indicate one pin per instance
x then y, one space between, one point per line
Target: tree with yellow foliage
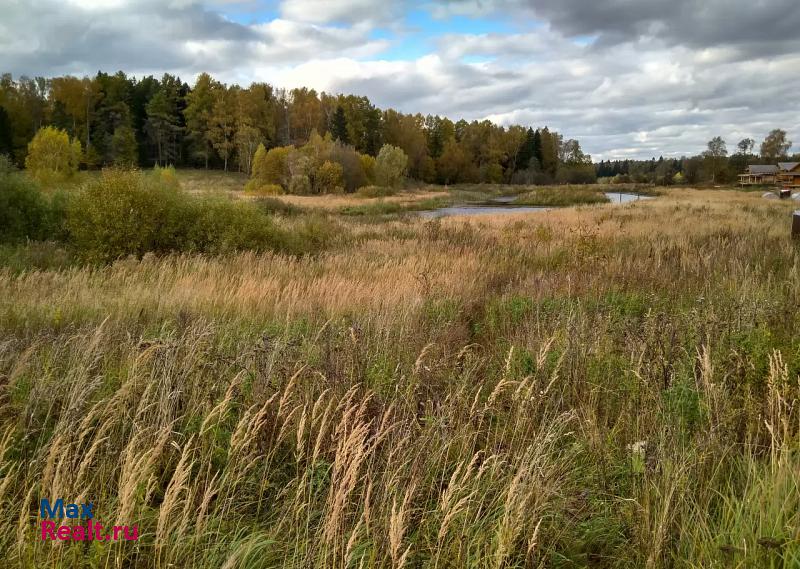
51 155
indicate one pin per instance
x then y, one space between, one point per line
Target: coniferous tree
527 150
338 126
6 134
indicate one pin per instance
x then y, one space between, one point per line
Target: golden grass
463 392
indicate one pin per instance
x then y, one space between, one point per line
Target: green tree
222 123
199 105
124 147
162 127
453 162
390 166
329 178
51 155
526 150
775 146
6 134
715 156
746 145
271 168
339 126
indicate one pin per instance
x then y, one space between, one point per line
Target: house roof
788 166
762 169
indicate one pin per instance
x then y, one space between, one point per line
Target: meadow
598 386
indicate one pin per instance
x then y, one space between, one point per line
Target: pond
506 205
617 197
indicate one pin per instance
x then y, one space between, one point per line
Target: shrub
276 206
390 166
167 176
124 213
24 213
127 213
220 225
51 155
257 188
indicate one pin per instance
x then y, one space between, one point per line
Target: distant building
789 175
759 175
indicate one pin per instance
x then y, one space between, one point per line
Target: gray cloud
626 77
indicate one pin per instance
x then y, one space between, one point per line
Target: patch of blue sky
583 41
422 21
420 31
251 13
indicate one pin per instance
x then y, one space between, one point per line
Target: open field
603 386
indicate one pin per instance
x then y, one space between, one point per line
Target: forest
124 121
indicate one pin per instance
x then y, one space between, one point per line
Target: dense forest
122 120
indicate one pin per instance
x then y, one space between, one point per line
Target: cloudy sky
629 78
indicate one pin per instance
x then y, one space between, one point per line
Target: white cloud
641 89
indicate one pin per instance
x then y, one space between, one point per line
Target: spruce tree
339 126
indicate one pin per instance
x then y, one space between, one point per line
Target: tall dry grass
600 387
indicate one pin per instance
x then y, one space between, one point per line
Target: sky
628 78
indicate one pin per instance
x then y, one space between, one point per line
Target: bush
257 188
124 213
51 155
167 176
221 225
127 213
24 212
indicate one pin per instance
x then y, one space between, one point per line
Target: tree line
121 120
715 165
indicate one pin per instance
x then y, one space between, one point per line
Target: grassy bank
561 197
598 387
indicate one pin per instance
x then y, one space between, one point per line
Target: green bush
24 212
124 213
127 213
220 225
167 176
259 188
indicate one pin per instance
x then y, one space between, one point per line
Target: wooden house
759 175
788 175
